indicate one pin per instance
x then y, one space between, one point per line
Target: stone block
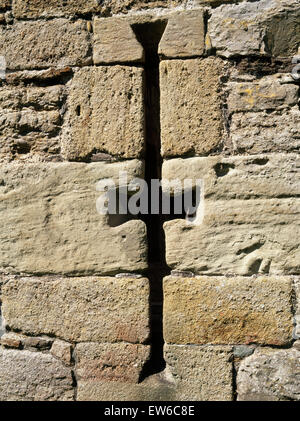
120 362
115 42
79 309
264 132
265 94
270 375
184 35
219 310
201 373
105 113
30 122
51 224
265 27
248 203
40 44
62 350
189 88
39 8
33 376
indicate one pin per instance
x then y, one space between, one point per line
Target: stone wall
198 89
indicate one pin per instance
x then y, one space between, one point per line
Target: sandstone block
217 310
259 28
201 373
32 376
264 132
16 340
266 94
51 8
248 203
115 42
62 350
41 44
188 89
270 375
184 35
111 7
120 362
52 224
105 113
79 309
30 121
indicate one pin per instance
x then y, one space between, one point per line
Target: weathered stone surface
200 372
247 203
297 315
120 362
5 4
270 375
115 42
11 340
79 309
267 27
105 113
265 131
16 340
30 121
184 35
221 310
32 376
62 350
265 94
41 44
50 223
189 89
40 8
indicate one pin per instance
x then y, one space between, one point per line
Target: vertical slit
149 35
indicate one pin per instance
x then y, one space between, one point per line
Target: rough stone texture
50 223
4 4
221 310
32 376
270 375
264 132
30 121
105 113
62 350
39 8
247 203
200 373
41 44
79 309
110 362
184 35
115 42
265 94
50 8
11 340
297 315
189 89
267 27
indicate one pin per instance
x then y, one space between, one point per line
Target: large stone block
120 362
188 89
265 94
41 44
263 132
266 27
201 373
249 204
105 113
115 42
79 309
218 310
184 35
30 121
50 223
33 376
270 375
